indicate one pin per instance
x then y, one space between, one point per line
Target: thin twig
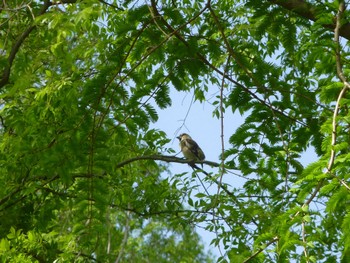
126 235
111 5
303 231
261 250
200 180
221 106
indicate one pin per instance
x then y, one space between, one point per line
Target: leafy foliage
81 83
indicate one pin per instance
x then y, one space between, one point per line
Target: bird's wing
194 148
191 143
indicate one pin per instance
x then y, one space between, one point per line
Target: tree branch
164 158
15 48
6 74
336 109
309 11
190 162
202 58
346 86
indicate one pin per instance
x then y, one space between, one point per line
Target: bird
190 149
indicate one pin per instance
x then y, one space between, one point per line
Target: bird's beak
178 137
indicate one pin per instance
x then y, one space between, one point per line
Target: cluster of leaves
77 103
79 83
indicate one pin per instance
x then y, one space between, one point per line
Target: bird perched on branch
190 149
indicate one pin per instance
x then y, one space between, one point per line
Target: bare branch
164 158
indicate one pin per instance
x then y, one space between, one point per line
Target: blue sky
197 120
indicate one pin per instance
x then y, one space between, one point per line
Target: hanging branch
346 86
341 94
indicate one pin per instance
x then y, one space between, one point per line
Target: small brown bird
190 148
